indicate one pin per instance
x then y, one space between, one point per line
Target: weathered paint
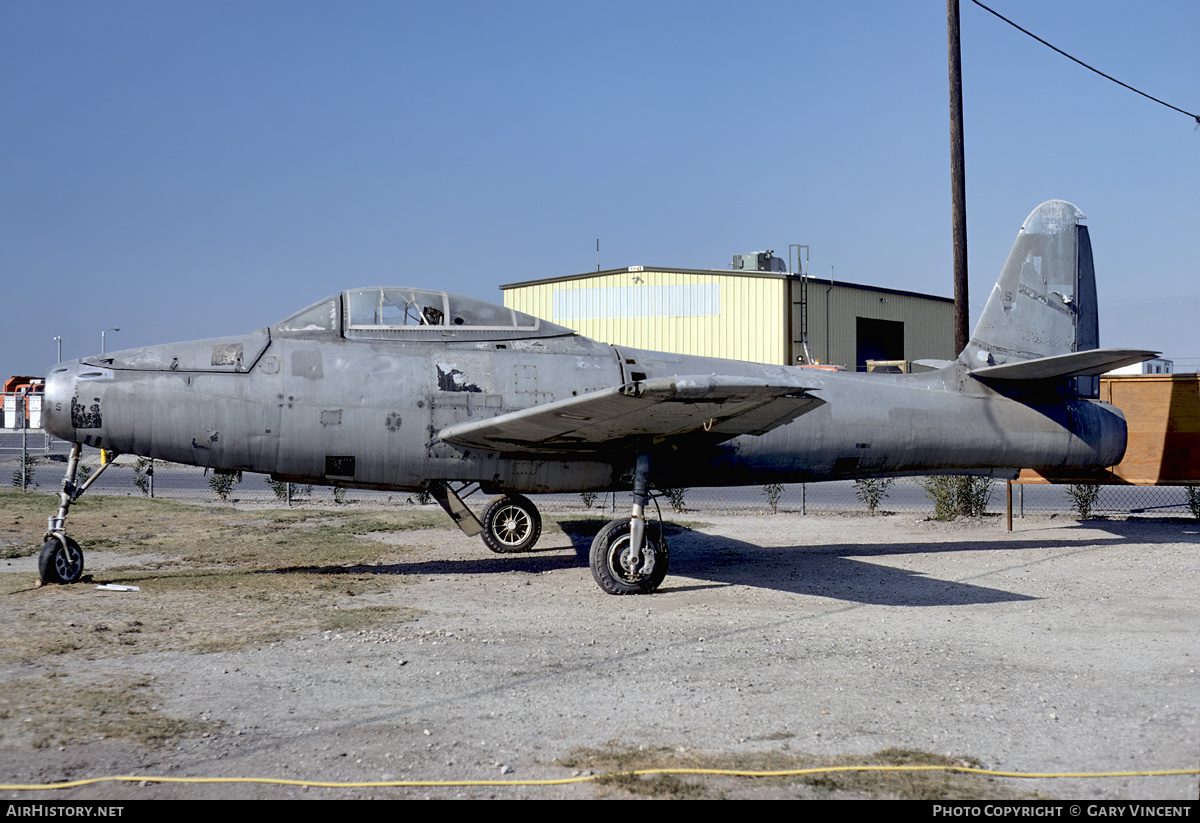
379 408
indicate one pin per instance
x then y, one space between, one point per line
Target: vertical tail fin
1044 303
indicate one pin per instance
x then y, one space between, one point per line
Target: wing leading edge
1060 366
713 406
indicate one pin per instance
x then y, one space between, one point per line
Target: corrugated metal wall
740 316
928 322
711 314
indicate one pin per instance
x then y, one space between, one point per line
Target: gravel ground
1061 647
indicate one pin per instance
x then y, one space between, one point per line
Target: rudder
1044 303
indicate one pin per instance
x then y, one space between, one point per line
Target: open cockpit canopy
415 314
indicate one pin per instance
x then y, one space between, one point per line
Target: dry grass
56 710
619 767
211 580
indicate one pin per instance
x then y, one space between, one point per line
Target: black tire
60 562
511 524
606 560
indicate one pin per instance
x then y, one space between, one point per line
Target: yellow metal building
743 315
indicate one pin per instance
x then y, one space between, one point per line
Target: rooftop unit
758 261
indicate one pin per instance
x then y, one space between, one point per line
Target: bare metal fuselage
321 408
408 388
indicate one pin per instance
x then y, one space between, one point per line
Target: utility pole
958 197
958 181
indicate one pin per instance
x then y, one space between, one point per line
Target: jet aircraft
417 389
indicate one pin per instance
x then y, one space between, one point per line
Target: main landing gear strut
510 524
629 556
61 559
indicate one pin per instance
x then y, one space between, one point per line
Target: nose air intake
56 407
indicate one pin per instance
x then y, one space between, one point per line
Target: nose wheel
61 560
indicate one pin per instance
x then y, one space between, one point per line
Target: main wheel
60 562
511 524
615 567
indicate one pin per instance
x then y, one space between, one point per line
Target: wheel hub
512 527
66 563
634 565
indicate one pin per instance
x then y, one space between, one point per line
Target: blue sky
194 169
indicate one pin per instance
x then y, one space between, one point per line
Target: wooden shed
1163 414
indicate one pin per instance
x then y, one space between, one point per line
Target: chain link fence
45 466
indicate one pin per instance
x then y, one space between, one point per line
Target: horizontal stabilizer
1074 364
712 406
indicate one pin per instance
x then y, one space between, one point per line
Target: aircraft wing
713 406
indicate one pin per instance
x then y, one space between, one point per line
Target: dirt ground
347 646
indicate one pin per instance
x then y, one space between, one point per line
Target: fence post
1008 502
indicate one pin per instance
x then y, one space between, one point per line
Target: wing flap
713 406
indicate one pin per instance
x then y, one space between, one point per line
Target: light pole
106 331
58 340
24 398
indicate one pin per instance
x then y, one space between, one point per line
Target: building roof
723 273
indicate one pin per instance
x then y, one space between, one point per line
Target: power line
1171 298
1085 65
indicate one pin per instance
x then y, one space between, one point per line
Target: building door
878 340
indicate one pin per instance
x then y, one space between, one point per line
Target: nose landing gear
61 558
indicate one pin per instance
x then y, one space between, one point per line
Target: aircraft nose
56 404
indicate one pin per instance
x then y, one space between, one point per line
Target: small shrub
773 491
222 484
974 494
1193 495
952 496
676 498
1083 498
280 488
871 490
339 494
421 498
31 462
143 470
944 493
588 498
